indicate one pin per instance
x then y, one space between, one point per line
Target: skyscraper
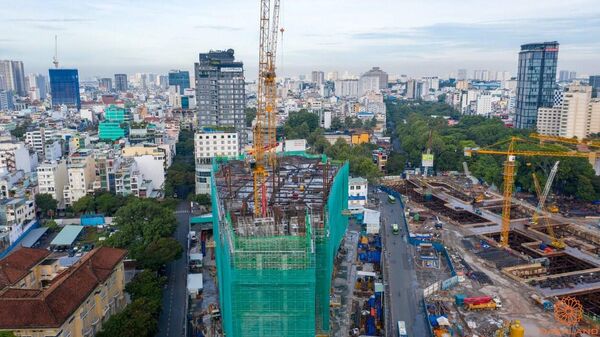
64 87
220 91
105 84
536 81
179 78
12 77
380 74
317 77
595 83
121 82
38 86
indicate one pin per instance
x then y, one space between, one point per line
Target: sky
417 38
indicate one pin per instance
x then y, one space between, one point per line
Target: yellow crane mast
266 110
556 243
509 173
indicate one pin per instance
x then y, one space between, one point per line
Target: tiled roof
18 264
52 306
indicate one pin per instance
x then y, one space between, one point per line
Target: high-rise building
595 83
209 144
566 76
121 82
220 91
536 81
105 84
6 100
113 126
180 79
12 77
64 87
38 86
318 77
461 75
575 115
381 75
275 271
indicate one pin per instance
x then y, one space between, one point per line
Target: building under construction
274 272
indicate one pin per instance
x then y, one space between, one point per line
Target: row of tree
145 228
414 122
180 177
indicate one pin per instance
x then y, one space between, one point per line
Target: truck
546 304
402 329
491 304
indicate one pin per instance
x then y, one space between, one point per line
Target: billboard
427 160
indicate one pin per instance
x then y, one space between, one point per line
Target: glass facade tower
64 87
536 81
180 78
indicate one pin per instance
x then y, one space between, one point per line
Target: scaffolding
274 273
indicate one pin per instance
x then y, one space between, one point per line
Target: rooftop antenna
55 59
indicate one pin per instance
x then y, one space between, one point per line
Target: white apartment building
358 192
346 88
52 178
210 144
81 174
14 157
577 115
36 139
484 104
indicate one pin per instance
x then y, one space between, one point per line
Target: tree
46 203
140 222
160 252
138 319
396 163
86 204
146 284
336 124
108 203
201 199
250 115
51 225
19 130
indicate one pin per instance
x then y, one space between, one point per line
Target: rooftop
67 236
302 185
17 265
52 306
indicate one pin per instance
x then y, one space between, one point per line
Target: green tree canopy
46 203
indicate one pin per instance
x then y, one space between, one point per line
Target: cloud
490 35
218 27
50 20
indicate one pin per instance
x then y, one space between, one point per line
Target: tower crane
542 196
556 243
265 127
509 173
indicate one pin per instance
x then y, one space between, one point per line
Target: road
172 318
403 288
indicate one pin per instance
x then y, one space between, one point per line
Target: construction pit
529 268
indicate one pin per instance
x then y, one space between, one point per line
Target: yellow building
38 298
360 138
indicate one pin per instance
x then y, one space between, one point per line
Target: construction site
483 287
274 271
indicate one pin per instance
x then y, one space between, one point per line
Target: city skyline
413 39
